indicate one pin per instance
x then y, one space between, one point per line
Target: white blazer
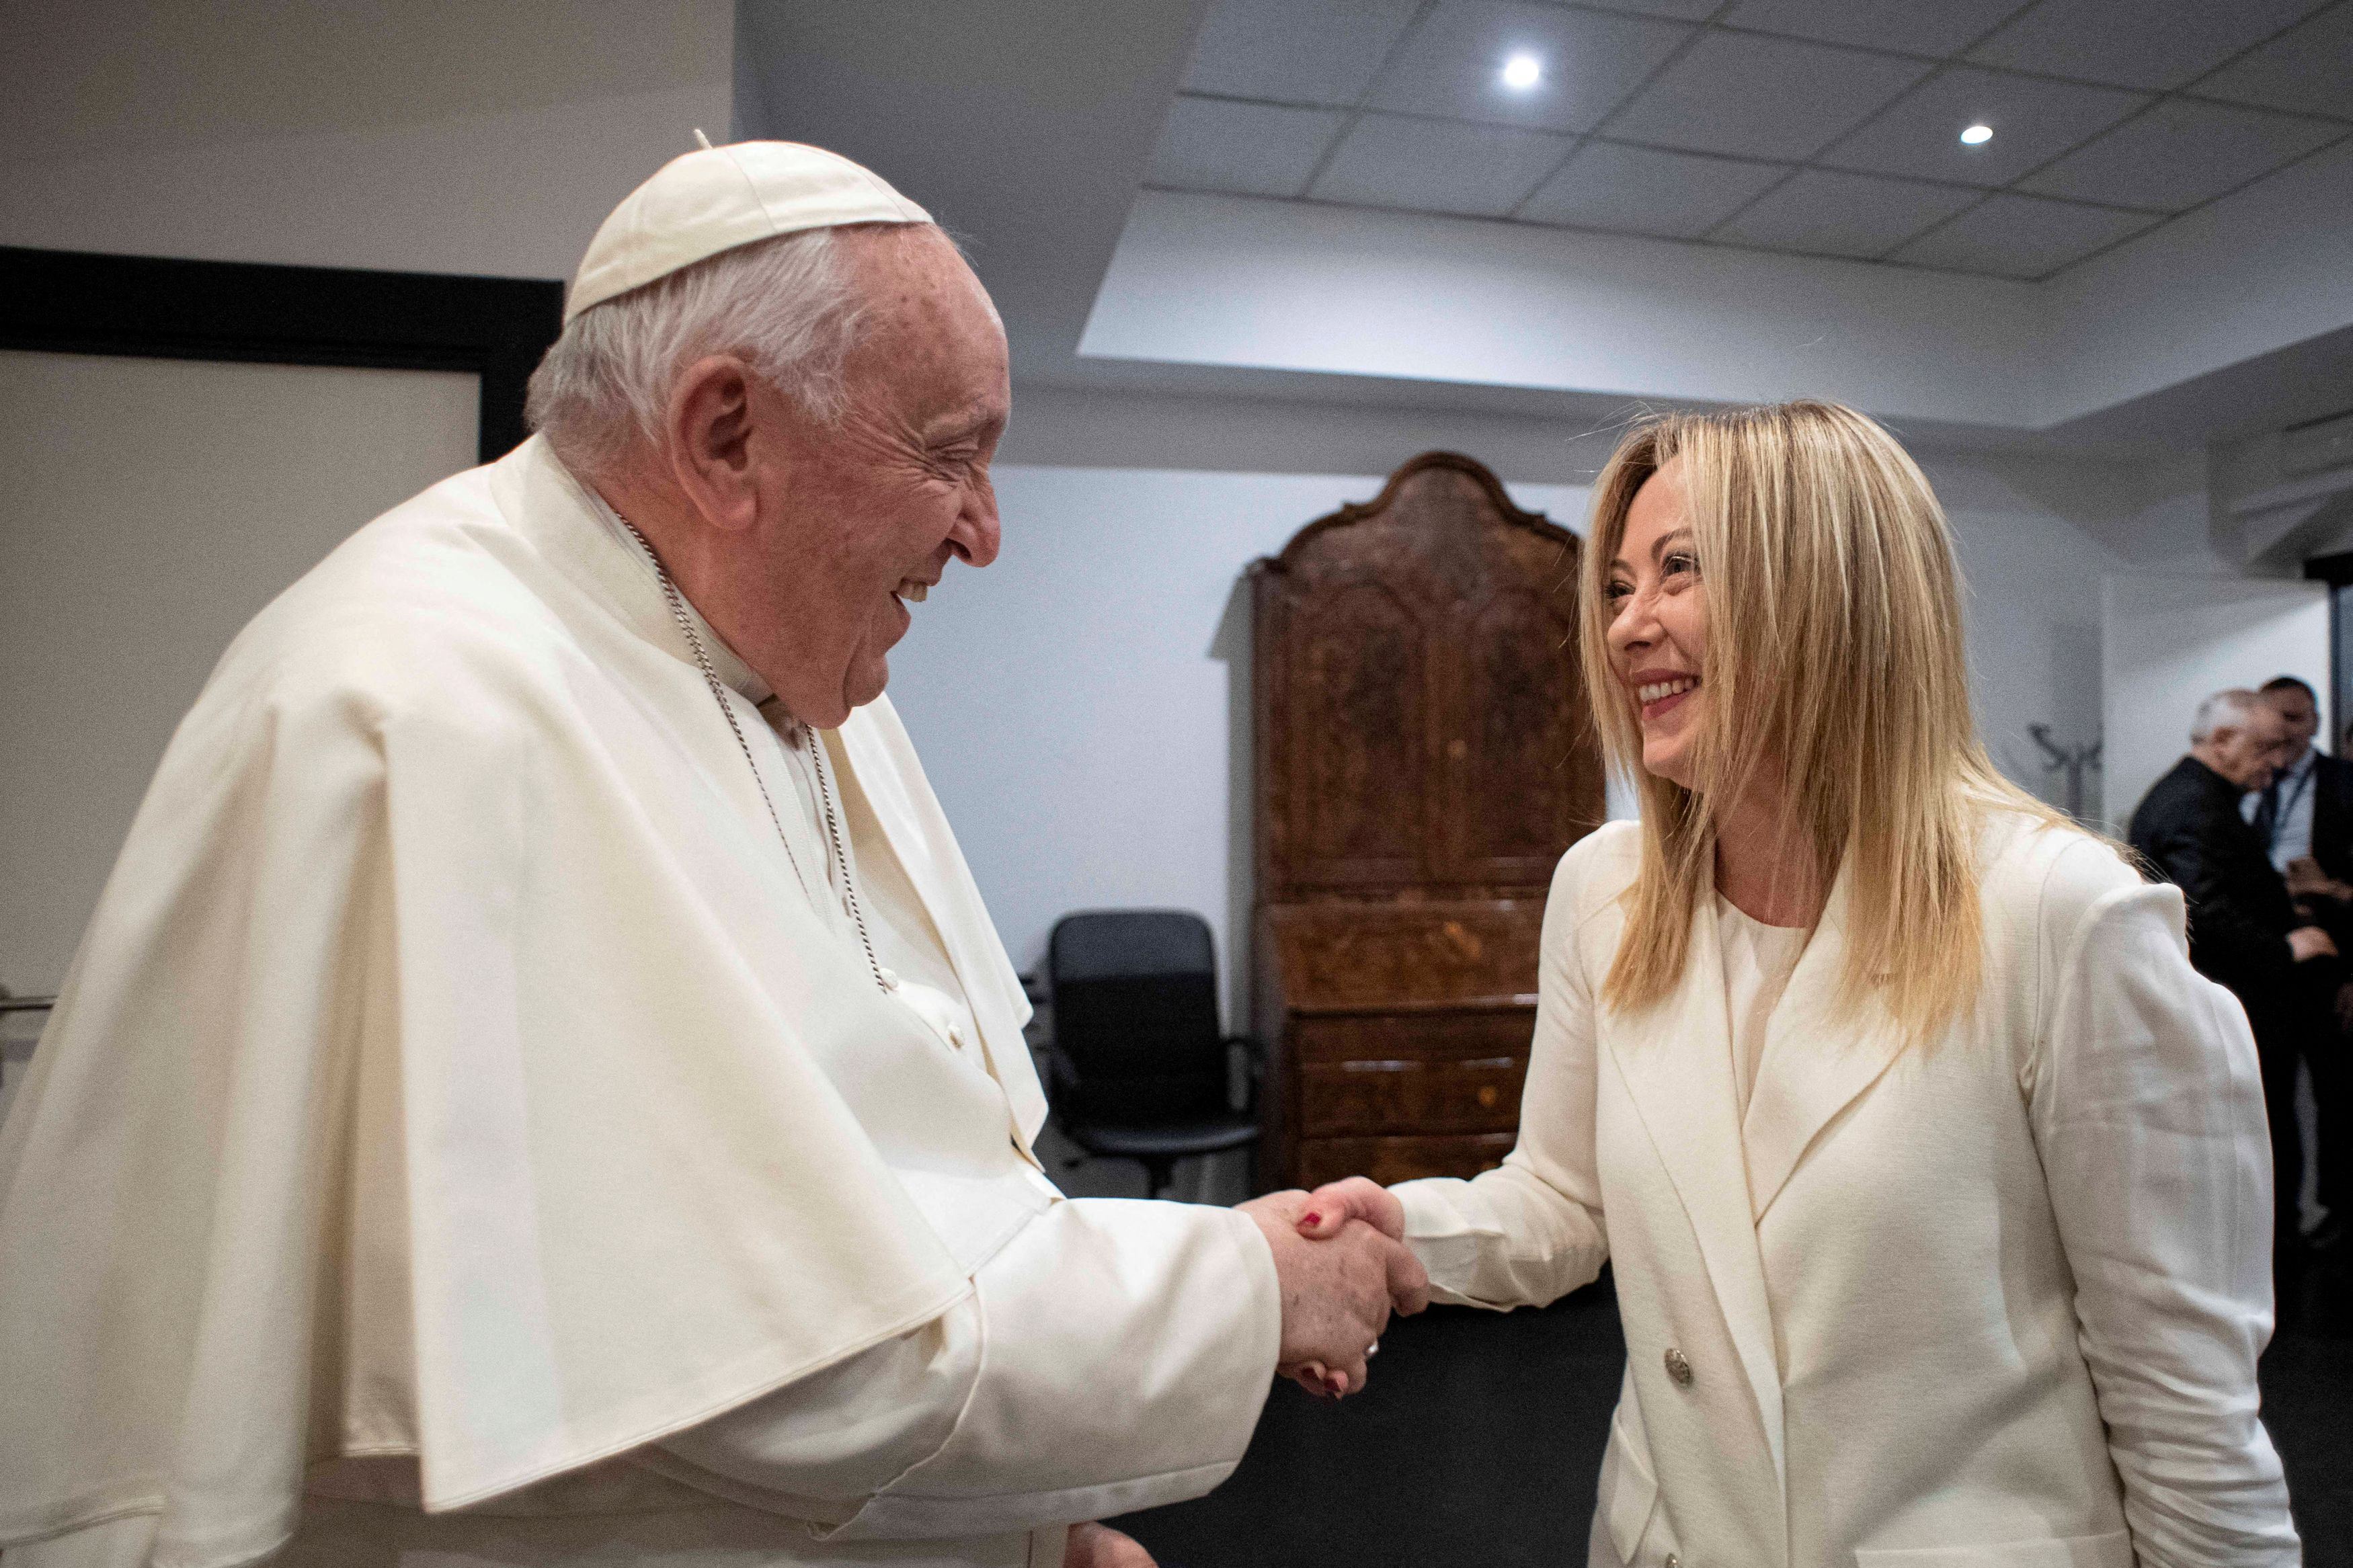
1995 1303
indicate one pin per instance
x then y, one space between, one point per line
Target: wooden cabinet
1423 757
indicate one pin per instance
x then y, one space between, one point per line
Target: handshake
1343 1268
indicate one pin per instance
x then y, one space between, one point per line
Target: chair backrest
1136 1011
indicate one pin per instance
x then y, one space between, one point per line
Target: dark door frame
70 301
2336 571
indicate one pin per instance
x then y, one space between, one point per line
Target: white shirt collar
731 668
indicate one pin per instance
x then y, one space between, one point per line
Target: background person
2305 817
2245 932
1931 1171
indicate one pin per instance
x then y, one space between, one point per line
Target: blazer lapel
1676 1060
1816 1060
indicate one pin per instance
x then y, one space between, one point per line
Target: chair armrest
1253 1052
1061 1073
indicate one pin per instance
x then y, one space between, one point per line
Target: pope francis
541 1086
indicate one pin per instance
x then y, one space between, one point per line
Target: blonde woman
1935 1180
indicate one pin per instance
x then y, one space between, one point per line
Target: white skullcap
720 197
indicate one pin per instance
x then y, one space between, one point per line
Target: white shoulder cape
454 1067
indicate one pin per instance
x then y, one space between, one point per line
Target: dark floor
1477 1442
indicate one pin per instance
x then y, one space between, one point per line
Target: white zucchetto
717 198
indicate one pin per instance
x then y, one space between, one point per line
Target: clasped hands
1341 1261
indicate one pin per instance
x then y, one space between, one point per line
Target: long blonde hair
1834 657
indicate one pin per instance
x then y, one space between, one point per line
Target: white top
702 204
1757 961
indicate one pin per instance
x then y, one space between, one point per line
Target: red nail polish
1311 1217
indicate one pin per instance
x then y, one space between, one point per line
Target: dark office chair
1139 1068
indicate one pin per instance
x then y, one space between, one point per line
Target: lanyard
2287 802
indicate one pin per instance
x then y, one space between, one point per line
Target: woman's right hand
1329 1209
1332 1206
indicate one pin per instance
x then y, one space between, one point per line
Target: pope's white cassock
460 1101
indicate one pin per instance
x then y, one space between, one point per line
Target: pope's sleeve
1114 1355
1529 1231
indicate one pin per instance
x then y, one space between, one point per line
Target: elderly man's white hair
2228 710
790 305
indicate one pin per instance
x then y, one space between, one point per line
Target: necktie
2267 813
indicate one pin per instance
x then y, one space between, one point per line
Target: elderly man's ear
715 409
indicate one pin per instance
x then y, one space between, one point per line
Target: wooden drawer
1351 955
1387 1160
1404 1037
1472 1094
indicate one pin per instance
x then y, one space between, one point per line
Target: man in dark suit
2306 810
2305 816
2245 932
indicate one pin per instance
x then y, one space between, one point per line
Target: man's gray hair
2228 710
790 305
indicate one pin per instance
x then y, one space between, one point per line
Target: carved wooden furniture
1423 757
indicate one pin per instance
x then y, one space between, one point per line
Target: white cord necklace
817 756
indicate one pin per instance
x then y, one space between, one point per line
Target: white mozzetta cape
455 1068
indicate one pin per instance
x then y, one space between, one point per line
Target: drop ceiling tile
2033 120
1248 149
2310 67
1438 165
1687 10
2022 236
2136 43
1756 97
2180 154
1832 214
1300 51
1641 190
1453 63
1940 28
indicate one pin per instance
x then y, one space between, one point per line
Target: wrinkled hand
1338 1292
2310 942
1098 1546
1330 1207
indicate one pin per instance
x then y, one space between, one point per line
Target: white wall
1081 704
132 562
426 135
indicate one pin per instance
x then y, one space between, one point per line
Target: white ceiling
1028 125
1823 127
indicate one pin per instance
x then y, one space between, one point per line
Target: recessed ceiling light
1522 72
1976 136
